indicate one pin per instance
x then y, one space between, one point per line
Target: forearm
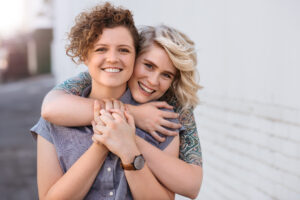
77 181
64 109
177 175
142 183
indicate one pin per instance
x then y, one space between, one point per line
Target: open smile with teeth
112 70
145 88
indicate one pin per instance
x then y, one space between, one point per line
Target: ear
85 61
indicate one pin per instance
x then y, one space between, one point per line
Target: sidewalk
20 104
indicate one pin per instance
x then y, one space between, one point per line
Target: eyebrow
165 71
121 45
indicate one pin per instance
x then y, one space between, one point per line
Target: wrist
99 146
127 157
131 109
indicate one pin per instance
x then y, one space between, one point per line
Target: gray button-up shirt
72 142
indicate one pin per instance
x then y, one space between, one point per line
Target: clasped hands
114 127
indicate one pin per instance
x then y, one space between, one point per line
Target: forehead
158 56
119 35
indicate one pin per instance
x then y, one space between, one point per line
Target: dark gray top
72 142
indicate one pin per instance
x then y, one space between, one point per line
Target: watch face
139 162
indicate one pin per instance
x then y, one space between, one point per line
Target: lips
145 88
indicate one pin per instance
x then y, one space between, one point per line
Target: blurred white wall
249 63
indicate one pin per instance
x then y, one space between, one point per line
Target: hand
107 104
117 133
151 119
113 104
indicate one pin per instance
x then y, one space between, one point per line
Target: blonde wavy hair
181 50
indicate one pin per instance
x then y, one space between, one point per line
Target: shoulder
42 128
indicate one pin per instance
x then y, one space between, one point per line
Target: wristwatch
137 164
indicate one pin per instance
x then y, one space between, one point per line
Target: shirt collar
125 98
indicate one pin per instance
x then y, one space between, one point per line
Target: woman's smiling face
153 74
111 59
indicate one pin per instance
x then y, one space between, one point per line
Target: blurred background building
249 64
25 38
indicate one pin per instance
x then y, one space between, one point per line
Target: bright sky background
11 16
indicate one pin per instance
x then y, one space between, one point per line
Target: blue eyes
150 68
167 75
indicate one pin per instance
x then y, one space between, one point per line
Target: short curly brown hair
89 25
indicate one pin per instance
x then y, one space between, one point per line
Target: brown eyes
122 50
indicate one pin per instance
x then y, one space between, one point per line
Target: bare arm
184 175
64 109
64 106
178 176
117 133
76 182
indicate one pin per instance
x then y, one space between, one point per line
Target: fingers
98 138
169 124
169 115
165 131
96 129
162 104
105 117
99 121
117 114
108 104
122 106
118 105
129 119
113 104
96 109
157 137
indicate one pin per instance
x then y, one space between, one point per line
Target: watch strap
128 166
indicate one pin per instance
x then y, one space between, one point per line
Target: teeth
145 88
114 70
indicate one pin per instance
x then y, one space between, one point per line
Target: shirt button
111 193
108 169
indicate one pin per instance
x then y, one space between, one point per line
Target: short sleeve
75 85
42 128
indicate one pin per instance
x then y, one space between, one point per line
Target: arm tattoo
75 85
190 148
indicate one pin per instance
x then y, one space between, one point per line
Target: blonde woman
164 71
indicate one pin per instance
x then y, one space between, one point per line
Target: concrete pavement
20 104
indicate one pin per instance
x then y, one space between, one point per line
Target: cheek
138 71
165 85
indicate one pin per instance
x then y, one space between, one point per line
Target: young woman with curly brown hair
69 164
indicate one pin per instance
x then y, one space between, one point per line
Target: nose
153 79
112 56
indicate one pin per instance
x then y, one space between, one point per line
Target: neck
104 92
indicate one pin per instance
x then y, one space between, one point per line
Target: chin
140 99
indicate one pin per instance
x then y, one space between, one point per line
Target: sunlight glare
11 14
